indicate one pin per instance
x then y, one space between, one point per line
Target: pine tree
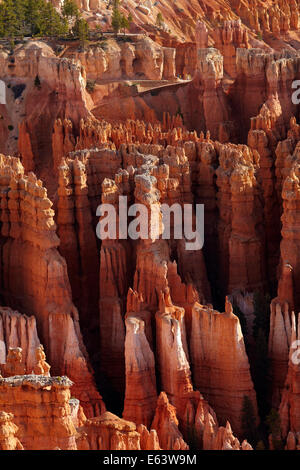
260 446
249 421
20 10
51 23
37 82
20 17
70 12
274 425
2 23
70 9
124 23
159 20
10 19
33 15
116 20
81 30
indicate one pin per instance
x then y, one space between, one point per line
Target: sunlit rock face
192 108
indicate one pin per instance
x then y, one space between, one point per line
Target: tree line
19 18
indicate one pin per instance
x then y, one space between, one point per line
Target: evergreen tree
2 24
33 15
116 20
10 19
119 20
124 23
274 425
51 23
20 10
81 30
70 10
159 20
260 446
99 31
249 421
37 82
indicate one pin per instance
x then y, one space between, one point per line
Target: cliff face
228 38
289 406
18 331
241 234
131 60
140 397
288 246
215 366
41 410
29 247
115 120
262 89
35 75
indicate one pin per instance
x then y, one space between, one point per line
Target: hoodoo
149 226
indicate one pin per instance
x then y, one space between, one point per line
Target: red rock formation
78 238
61 93
279 345
8 430
41 367
140 394
206 193
41 286
148 144
166 425
149 439
25 148
284 154
18 331
174 369
225 440
288 246
215 365
186 59
272 74
108 432
276 16
13 365
41 410
63 141
172 179
152 184
241 236
201 35
290 400
141 57
292 442
115 273
229 37
261 141
207 98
